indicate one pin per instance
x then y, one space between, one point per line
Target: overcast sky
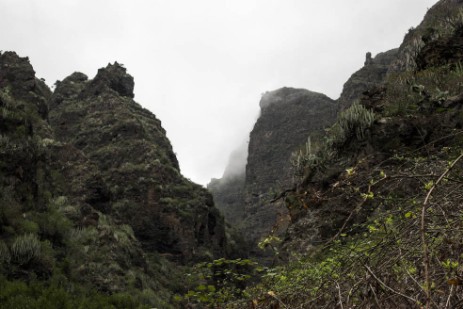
200 66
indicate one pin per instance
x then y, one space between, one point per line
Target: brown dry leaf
454 281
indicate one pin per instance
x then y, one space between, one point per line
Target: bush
25 248
352 123
36 294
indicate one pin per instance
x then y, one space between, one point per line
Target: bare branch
423 232
388 287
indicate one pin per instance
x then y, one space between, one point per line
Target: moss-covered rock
71 196
168 213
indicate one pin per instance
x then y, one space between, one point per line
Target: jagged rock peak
112 78
18 78
76 77
371 74
285 95
16 70
70 87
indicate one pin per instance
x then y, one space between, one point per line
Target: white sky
200 66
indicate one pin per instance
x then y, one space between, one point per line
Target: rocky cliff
145 189
371 75
51 193
91 196
288 116
374 218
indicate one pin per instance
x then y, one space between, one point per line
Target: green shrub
28 227
25 248
220 281
36 294
310 157
353 123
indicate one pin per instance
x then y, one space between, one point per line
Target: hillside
168 213
376 212
92 201
347 203
375 206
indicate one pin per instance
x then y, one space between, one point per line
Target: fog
201 66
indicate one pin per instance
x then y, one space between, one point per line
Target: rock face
168 213
372 74
90 189
228 191
228 195
288 117
51 194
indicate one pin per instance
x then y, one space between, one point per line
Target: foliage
220 281
351 125
5 255
307 157
379 263
25 248
423 91
18 294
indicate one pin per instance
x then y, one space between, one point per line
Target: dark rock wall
228 195
50 190
168 213
372 74
288 117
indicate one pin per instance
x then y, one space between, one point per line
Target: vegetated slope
287 118
377 216
50 226
169 214
67 214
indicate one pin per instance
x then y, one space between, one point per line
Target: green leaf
429 185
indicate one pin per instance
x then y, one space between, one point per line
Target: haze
201 66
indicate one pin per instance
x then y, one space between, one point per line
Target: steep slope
287 117
376 218
228 193
168 213
51 228
371 75
91 206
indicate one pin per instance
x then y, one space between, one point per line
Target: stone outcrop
51 194
372 74
288 116
168 213
90 187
